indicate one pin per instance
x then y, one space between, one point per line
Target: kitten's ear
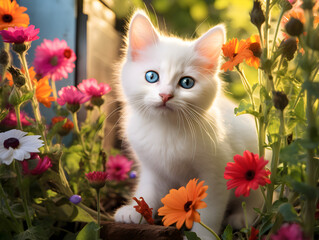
210 45
141 34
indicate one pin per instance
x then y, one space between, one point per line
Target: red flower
42 164
144 210
247 172
253 234
97 180
66 127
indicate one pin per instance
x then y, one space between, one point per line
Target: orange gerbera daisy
235 52
180 205
43 89
253 44
11 15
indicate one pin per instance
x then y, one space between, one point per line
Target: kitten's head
165 75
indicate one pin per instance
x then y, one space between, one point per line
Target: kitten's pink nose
165 97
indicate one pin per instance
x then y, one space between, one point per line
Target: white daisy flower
14 144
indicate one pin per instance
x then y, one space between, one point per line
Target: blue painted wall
56 19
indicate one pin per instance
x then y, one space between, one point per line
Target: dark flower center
67 53
256 49
187 206
7 18
54 61
250 174
11 142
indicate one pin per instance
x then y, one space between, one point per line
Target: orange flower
180 205
43 89
235 52
253 44
144 210
9 79
11 15
66 127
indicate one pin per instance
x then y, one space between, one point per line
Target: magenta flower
20 34
288 231
41 164
97 180
71 95
54 59
118 167
91 88
11 119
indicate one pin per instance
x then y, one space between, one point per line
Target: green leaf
292 154
312 88
56 127
245 108
288 212
39 232
191 235
305 189
228 233
26 97
88 232
3 114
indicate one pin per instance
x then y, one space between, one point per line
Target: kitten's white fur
195 135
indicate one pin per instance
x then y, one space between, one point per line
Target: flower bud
307 4
280 100
17 76
288 48
75 199
4 58
21 47
294 27
285 5
97 101
15 97
257 16
73 108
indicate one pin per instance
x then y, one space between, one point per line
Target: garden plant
52 189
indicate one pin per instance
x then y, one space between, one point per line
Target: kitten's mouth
164 107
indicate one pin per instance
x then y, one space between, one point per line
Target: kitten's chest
162 141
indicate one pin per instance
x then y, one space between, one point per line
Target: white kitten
179 124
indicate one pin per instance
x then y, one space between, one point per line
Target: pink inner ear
142 35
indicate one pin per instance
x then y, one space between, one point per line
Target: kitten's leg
236 217
149 187
213 214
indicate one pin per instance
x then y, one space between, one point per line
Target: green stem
266 28
209 229
279 66
3 196
34 102
277 29
17 111
274 163
77 130
98 213
22 193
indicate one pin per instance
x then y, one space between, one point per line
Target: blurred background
94 29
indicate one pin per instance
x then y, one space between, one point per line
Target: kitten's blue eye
187 82
151 76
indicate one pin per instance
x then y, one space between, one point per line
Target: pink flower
118 167
54 59
71 95
11 119
288 231
91 88
42 164
247 172
96 179
20 34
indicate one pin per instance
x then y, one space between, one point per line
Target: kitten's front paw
127 214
